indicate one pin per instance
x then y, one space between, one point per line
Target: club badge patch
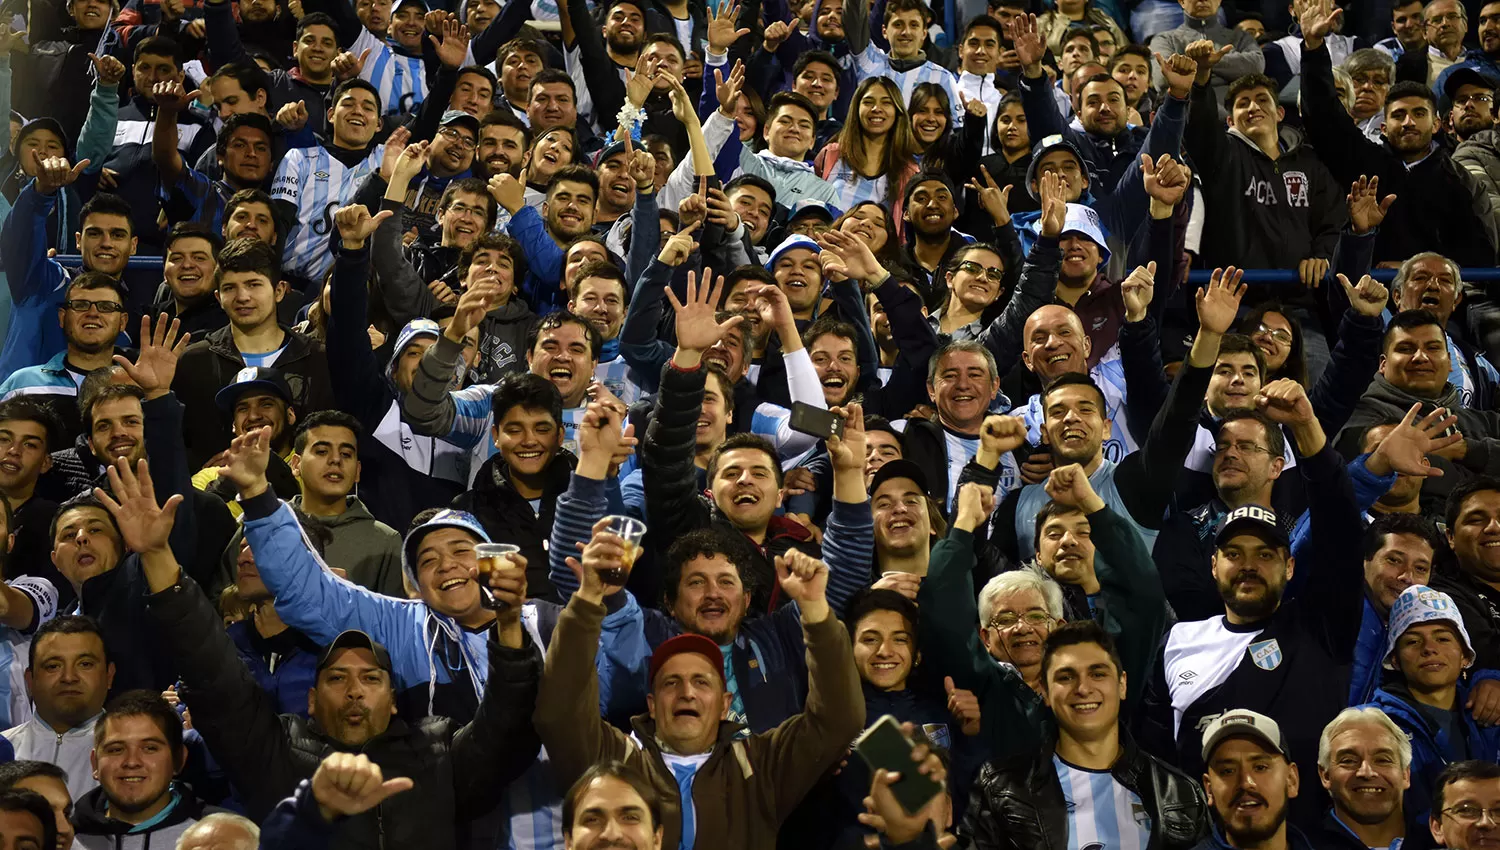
1266 654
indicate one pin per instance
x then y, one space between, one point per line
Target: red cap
687 643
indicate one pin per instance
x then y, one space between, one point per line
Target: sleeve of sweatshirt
311 599
849 297
222 35
849 551
499 743
640 344
361 389
32 276
1131 590
645 236
567 704
683 180
97 138
916 341
543 257
584 503
170 472
1355 358
406 294
856 25
460 417
297 824
1146 478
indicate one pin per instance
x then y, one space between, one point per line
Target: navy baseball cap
250 379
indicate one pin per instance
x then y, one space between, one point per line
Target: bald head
221 831
1054 343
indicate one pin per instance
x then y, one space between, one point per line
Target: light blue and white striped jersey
401 80
774 422
874 62
1109 374
316 183
617 376
854 189
1460 377
1102 813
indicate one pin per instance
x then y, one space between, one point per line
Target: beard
622 43
1259 833
1252 608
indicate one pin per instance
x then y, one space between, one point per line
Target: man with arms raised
1364 762
732 793
567 214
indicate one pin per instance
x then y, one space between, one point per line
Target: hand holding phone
885 746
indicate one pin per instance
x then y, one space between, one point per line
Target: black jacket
507 516
139 181
1019 803
91 819
210 364
459 771
1439 205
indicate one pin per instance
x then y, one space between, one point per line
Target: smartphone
884 745
816 421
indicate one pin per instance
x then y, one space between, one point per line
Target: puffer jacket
507 516
96 830
460 771
1480 155
1019 803
1431 751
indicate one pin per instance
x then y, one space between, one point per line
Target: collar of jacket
494 476
397 730
1295 840
645 734
295 346
904 65
82 730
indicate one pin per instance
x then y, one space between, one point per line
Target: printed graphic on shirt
1297 194
1266 654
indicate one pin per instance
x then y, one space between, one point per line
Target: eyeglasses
457 138
1451 17
1007 621
1470 813
993 273
1282 336
1244 447
79 305
1465 100
477 212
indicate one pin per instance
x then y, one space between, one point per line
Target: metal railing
1200 276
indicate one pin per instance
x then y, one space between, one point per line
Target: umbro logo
321 175
1187 676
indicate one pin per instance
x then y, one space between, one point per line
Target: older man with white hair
1364 762
221 831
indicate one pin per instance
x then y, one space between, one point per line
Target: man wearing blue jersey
905 30
244 153
315 181
1092 780
567 214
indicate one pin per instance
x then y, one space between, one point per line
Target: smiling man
1434 283
138 752
1364 762
189 269
68 676
568 213
1091 778
1471 516
1251 780
905 62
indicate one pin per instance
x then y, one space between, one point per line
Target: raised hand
775 311
171 96
1206 56
1284 401
1180 71
848 452
604 551
1026 37
453 47
1137 291
679 247
696 329
1316 18
347 784
410 163
906 584
638 83
723 29
473 304
964 706
1406 447
803 578
144 525
245 461
855 257
601 435
53 172
1220 300
975 504
974 107
728 90
884 813
682 104
355 224
156 364
395 143
347 66
508 192
1054 205
1366 208
1368 298
1069 485
721 211
641 168
1000 434
995 200
1166 180
775 35
292 116
109 69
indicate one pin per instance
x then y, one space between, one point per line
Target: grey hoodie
369 551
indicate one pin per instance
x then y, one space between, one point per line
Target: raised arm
1042 115
640 344
1038 279
849 541
406 294
459 416
361 389
97 138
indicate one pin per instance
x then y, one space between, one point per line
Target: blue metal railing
1199 276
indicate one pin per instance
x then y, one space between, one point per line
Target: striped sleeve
849 551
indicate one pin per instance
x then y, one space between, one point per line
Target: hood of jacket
354 512
90 819
1385 392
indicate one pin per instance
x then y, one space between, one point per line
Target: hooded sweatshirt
98 831
368 550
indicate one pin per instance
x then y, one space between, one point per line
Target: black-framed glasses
81 305
992 272
1279 334
452 135
1244 447
1470 813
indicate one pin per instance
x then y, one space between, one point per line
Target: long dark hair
901 142
1295 366
935 155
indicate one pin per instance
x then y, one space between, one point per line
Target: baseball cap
810 207
447 518
1244 723
460 118
791 243
1466 75
1054 142
1252 519
35 124
899 468
929 177
252 379
1421 604
608 151
355 639
401 3
686 643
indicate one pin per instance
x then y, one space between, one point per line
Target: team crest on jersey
938 734
1266 654
1296 188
